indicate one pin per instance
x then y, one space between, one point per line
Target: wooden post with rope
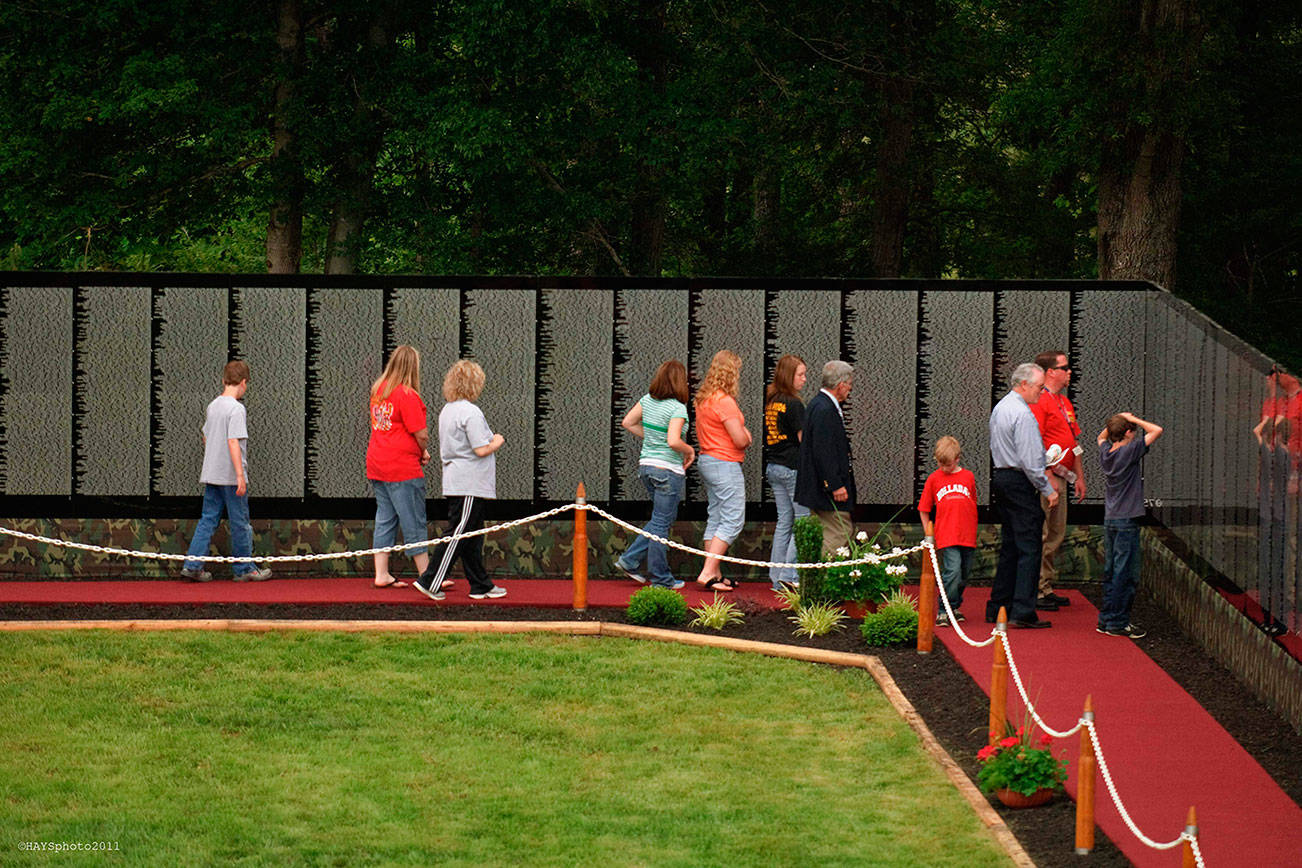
1086 773
999 681
580 567
926 603
1191 827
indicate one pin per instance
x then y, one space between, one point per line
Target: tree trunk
1140 192
764 212
891 207
356 168
650 52
285 221
1139 208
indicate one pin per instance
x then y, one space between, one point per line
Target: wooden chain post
1190 826
926 604
580 569
1086 773
999 681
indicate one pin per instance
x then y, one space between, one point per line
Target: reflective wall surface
104 380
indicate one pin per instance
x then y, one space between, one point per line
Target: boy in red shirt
951 493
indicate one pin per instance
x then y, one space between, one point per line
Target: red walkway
1164 751
530 592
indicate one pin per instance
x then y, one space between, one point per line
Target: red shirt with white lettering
393 455
953 498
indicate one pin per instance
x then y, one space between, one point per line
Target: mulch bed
952 705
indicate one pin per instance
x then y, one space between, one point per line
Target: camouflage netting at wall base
543 549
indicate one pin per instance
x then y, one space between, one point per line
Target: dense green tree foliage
969 138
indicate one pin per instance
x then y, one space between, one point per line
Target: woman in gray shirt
467 447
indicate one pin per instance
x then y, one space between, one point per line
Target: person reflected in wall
723 436
396 456
225 478
1279 442
1058 427
1017 454
468 453
660 419
1120 453
784 420
825 472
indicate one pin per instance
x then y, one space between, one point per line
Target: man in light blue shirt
1017 451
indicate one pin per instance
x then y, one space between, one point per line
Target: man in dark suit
824 477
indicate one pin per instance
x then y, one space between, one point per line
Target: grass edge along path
894 696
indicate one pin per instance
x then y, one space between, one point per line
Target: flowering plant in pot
1019 765
862 585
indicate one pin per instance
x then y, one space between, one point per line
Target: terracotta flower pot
858 608
1014 799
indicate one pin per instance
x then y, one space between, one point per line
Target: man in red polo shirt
1057 419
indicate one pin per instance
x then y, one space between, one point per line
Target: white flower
861 536
855 573
843 552
877 547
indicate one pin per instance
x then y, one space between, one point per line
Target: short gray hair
1024 373
837 372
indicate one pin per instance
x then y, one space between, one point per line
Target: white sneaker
254 575
492 593
433 595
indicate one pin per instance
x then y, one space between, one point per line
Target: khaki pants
1055 530
837 528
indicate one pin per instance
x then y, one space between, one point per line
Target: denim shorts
725 486
400 503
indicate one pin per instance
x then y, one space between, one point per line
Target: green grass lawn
357 749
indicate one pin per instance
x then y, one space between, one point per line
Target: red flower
1046 740
1010 741
987 752
1020 731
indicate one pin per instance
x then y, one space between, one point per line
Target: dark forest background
1150 139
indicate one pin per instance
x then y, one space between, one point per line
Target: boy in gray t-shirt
1120 451
225 480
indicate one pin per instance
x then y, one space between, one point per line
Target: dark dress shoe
1045 604
1058 598
1037 624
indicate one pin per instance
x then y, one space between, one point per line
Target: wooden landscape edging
984 811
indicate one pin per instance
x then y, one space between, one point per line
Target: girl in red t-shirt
395 459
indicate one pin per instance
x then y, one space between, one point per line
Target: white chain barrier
872 558
274 559
1188 834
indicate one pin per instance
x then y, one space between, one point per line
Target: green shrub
657 606
716 615
809 550
895 623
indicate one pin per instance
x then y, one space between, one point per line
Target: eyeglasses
1061 368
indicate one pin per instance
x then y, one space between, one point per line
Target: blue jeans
1120 571
216 499
666 490
782 480
400 503
955 566
725 488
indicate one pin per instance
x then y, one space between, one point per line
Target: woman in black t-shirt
784 417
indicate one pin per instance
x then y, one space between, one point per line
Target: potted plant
861 586
1020 771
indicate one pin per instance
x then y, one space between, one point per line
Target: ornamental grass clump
894 623
716 615
657 607
811 617
1017 762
